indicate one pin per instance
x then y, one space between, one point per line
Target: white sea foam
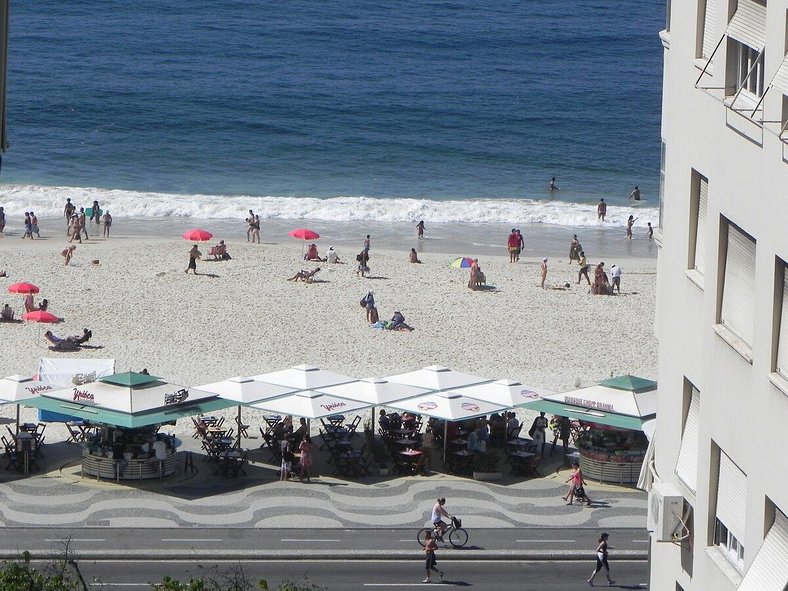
48 201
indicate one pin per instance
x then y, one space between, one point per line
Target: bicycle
458 537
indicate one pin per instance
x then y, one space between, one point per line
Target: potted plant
380 454
485 466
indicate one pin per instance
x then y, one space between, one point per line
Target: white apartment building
718 513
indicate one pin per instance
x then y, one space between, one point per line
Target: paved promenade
57 496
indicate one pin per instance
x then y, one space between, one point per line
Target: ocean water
455 112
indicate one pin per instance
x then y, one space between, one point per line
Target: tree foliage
64 575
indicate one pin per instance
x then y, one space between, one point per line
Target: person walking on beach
366 243
543 271
2 220
28 227
601 560
194 254
635 194
83 223
512 244
420 229
574 249
553 186
34 226
249 222
630 223
583 268
107 223
520 245
430 545
650 231
68 211
601 210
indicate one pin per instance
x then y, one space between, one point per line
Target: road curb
289 555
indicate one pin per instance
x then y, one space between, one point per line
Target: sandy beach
242 317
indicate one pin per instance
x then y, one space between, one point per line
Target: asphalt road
348 575
218 544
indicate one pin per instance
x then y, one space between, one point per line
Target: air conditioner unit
665 506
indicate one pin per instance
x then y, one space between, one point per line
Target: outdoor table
24 445
210 421
409 461
29 427
404 441
520 442
403 432
522 454
272 420
462 461
459 442
336 420
411 452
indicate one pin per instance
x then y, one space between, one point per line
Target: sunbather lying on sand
75 340
304 275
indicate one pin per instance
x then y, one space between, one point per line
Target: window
706 39
687 463
729 544
769 569
667 16
698 208
662 154
738 290
746 39
730 517
781 366
748 76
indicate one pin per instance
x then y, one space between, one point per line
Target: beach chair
217 252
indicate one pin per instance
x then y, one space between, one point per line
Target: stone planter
487 476
383 471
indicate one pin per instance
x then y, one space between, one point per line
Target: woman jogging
601 560
429 549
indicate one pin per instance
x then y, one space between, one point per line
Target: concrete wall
741 410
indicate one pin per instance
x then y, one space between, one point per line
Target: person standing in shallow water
420 229
553 186
601 210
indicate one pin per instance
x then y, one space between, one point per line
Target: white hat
545 259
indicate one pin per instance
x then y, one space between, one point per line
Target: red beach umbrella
23 288
197 235
40 316
303 234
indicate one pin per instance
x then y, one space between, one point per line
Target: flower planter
487 476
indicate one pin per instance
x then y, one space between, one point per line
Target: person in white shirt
331 255
615 273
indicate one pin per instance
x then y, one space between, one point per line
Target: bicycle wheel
422 535
458 537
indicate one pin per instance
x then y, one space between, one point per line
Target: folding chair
351 428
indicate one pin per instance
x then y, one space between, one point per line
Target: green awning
585 414
104 416
130 379
630 383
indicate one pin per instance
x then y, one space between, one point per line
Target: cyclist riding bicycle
437 512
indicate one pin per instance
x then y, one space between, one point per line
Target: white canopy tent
375 391
448 406
508 393
436 377
303 377
311 405
16 389
245 390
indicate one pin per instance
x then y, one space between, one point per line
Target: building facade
718 512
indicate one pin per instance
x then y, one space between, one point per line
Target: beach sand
242 317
